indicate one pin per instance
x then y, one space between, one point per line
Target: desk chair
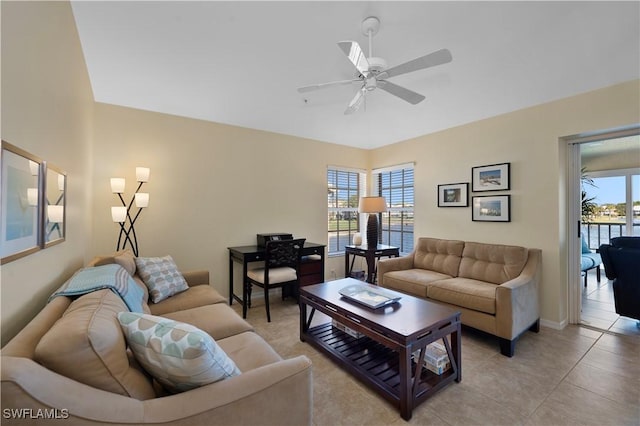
281 268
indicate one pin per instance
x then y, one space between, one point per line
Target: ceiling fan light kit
373 71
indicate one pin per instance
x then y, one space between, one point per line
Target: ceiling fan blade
439 57
355 102
356 55
399 91
313 87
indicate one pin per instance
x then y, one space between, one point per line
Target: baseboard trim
554 325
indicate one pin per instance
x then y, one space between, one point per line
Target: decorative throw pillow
180 356
161 276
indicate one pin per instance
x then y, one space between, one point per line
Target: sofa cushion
217 320
180 356
162 277
87 345
127 260
249 351
438 255
493 263
193 297
466 293
412 281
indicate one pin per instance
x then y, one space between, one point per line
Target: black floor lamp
122 214
373 206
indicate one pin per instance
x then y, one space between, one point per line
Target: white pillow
180 356
161 276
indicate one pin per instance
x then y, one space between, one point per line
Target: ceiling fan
373 72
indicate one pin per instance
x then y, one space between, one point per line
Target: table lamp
372 206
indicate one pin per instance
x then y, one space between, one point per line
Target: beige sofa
495 287
91 377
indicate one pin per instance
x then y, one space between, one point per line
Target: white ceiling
240 62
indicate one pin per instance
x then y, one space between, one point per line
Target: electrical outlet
333 274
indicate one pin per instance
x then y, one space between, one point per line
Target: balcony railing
598 233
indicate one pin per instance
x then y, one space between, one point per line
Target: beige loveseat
92 378
495 287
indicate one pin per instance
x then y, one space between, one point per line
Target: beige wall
47 109
529 140
212 186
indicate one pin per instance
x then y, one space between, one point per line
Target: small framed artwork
494 177
22 198
491 208
453 195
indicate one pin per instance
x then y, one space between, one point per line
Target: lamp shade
372 205
55 214
61 182
142 174
32 196
117 185
34 168
142 199
118 214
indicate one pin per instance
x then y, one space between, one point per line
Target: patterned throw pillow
161 276
180 356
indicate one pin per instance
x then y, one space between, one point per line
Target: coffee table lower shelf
374 363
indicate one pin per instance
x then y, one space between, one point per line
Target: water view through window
615 211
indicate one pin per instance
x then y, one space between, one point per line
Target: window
615 196
395 184
344 189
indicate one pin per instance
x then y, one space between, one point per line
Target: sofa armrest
259 396
393 264
517 300
196 277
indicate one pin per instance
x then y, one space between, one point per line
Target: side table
370 254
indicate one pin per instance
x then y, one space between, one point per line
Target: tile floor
598 309
575 376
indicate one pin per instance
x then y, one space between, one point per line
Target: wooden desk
311 270
370 254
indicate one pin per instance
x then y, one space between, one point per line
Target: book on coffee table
371 297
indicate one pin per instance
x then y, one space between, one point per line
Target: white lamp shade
142 174
32 196
34 168
372 205
55 214
119 214
61 182
117 185
142 199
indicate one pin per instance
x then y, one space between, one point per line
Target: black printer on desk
264 238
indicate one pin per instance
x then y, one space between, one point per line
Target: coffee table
381 356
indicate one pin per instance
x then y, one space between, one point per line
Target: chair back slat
284 253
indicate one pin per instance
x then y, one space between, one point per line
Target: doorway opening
608 172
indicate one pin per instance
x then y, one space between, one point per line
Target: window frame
385 232
360 190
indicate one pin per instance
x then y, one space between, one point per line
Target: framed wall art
22 201
453 195
491 208
494 177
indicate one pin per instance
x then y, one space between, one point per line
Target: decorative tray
370 297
